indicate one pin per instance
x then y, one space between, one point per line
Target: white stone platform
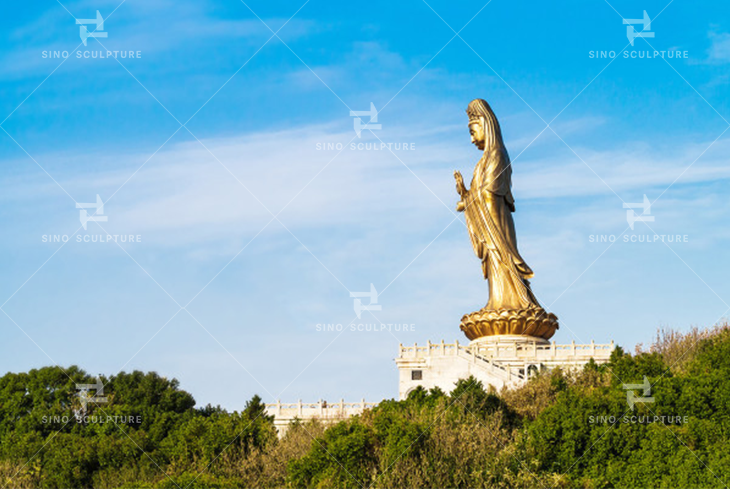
501 360
328 413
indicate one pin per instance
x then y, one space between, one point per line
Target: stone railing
320 408
503 372
503 350
285 413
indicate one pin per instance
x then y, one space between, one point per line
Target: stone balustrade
285 413
511 350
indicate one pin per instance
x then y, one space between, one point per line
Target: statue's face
476 129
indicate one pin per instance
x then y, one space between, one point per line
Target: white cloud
183 195
719 51
630 168
151 27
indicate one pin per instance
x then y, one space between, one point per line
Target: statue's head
476 130
483 125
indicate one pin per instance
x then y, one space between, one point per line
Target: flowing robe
489 206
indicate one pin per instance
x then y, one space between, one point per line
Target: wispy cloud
154 28
184 195
719 52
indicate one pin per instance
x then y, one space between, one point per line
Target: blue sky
259 112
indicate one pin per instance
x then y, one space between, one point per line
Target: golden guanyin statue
488 206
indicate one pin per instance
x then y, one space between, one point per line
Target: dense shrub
561 429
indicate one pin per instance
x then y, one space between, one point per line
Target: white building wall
442 372
496 362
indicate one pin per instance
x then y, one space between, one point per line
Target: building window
416 375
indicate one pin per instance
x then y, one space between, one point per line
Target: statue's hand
460 188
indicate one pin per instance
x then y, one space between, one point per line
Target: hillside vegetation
562 429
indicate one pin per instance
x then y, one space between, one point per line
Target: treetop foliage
561 429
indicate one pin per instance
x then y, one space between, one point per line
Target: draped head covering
493 172
479 108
